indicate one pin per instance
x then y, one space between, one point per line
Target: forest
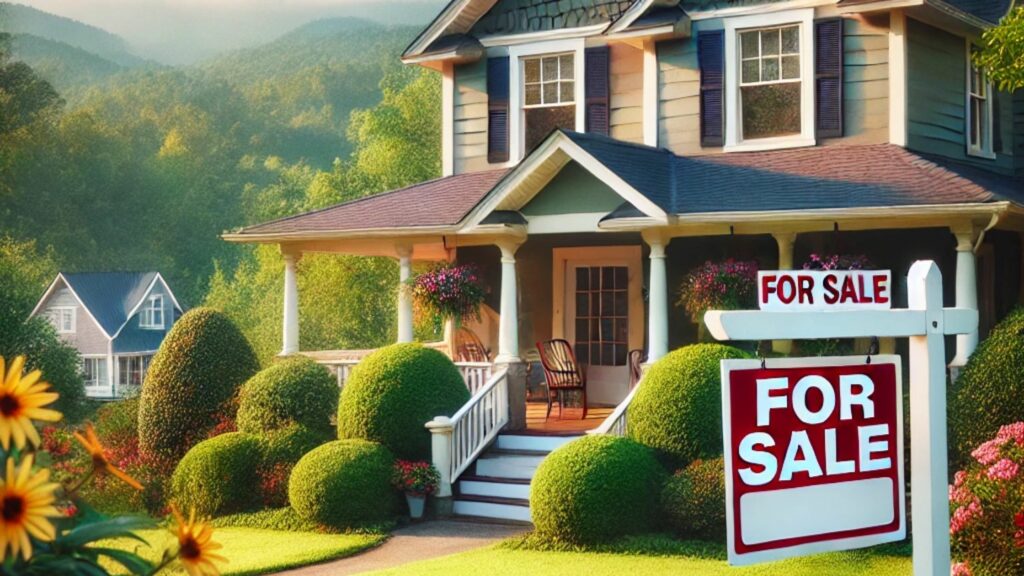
113 162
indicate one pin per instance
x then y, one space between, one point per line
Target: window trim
540 59
146 315
100 360
804 20
986 149
59 324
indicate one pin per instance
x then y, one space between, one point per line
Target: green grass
652 556
259 551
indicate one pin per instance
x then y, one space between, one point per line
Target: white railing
475 374
457 441
341 369
615 423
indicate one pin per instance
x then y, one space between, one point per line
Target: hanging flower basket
450 292
728 285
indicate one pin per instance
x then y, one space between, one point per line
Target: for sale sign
813 455
824 290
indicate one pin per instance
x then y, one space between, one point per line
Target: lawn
259 551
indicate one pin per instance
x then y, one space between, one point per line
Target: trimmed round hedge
596 489
393 392
294 391
678 408
990 391
194 377
693 500
344 483
218 476
281 450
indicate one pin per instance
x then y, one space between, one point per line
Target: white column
290 333
785 242
966 292
441 453
404 297
657 306
508 322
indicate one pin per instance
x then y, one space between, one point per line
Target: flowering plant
728 285
987 508
416 478
838 262
450 291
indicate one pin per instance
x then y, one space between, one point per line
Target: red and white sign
824 289
813 455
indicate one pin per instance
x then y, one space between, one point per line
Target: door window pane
603 334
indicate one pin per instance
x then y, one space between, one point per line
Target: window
152 316
94 372
549 95
979 109
131 370
602 315
63 319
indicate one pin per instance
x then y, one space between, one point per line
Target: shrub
218 476
294 391
281 450
393 392
990 390
596 489
193 378
693 500
987 507
678 408
344 483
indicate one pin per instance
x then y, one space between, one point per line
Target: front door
603 316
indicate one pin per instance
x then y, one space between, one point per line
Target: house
595 151
116 321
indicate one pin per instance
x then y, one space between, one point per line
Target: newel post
441 457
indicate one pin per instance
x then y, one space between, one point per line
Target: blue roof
110 296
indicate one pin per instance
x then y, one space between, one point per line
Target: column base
516 393
440 507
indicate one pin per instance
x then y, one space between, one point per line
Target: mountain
20 19
63 65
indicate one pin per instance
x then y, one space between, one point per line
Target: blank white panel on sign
829 508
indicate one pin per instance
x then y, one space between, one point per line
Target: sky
184 31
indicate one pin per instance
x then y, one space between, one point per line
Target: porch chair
469 347
636 360
562 373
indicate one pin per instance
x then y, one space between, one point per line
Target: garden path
416 542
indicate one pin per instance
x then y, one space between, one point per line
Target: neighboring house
595 151
116 321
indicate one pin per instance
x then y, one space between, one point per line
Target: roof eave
279 237
941 8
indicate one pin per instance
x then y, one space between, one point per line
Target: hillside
63 65
19 19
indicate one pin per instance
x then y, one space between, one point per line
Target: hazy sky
181 31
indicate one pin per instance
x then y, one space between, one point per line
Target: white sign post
926 323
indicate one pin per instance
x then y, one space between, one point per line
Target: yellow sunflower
195 548
21 401
26 505
100 463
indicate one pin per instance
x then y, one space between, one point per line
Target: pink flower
963 515
1012 432
960 569
1005 469
988 452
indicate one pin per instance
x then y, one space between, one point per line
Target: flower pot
416 504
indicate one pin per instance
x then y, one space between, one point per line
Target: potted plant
728 285
417 480
450 292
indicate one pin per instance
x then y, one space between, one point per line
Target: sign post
926 323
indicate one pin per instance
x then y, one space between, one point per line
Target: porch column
785 243
404 297
966 291
290 333
508 322
657 307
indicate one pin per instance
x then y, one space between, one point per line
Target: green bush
393 392
344 483
990 391
294 391
596 489
281 450
678 408
693 500
193 380
219 475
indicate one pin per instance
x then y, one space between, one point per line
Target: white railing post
441 452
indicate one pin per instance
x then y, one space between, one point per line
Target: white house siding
470 134
627 93
88 339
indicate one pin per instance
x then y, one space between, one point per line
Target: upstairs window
152 315
549 95
64 319
979 110
770 82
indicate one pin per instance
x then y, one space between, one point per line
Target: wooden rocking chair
469 348
636 362
561 373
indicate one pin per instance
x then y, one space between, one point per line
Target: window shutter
828 77
596 88
497 109
711 56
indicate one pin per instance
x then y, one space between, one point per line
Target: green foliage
344 483
281 450
990 391
82 550
394 391
693 500
25 272
678 408
286 519
596 489
217 476
193 379
1002 53
294 391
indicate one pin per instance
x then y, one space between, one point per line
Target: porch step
514 509
530 442
504 464
518 488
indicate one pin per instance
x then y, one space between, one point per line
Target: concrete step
518 488
535 443
512 509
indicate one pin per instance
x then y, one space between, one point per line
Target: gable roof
991 10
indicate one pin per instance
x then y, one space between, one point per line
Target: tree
1002 51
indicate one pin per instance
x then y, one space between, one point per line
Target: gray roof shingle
519 16
110 296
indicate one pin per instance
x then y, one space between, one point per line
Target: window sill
770 144
983 154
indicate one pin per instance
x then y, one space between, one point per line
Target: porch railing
615 423
457 441
474 374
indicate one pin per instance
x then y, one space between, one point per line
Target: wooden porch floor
569 425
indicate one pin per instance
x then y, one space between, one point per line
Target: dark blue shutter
711 56
597 92
828 77
497 109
